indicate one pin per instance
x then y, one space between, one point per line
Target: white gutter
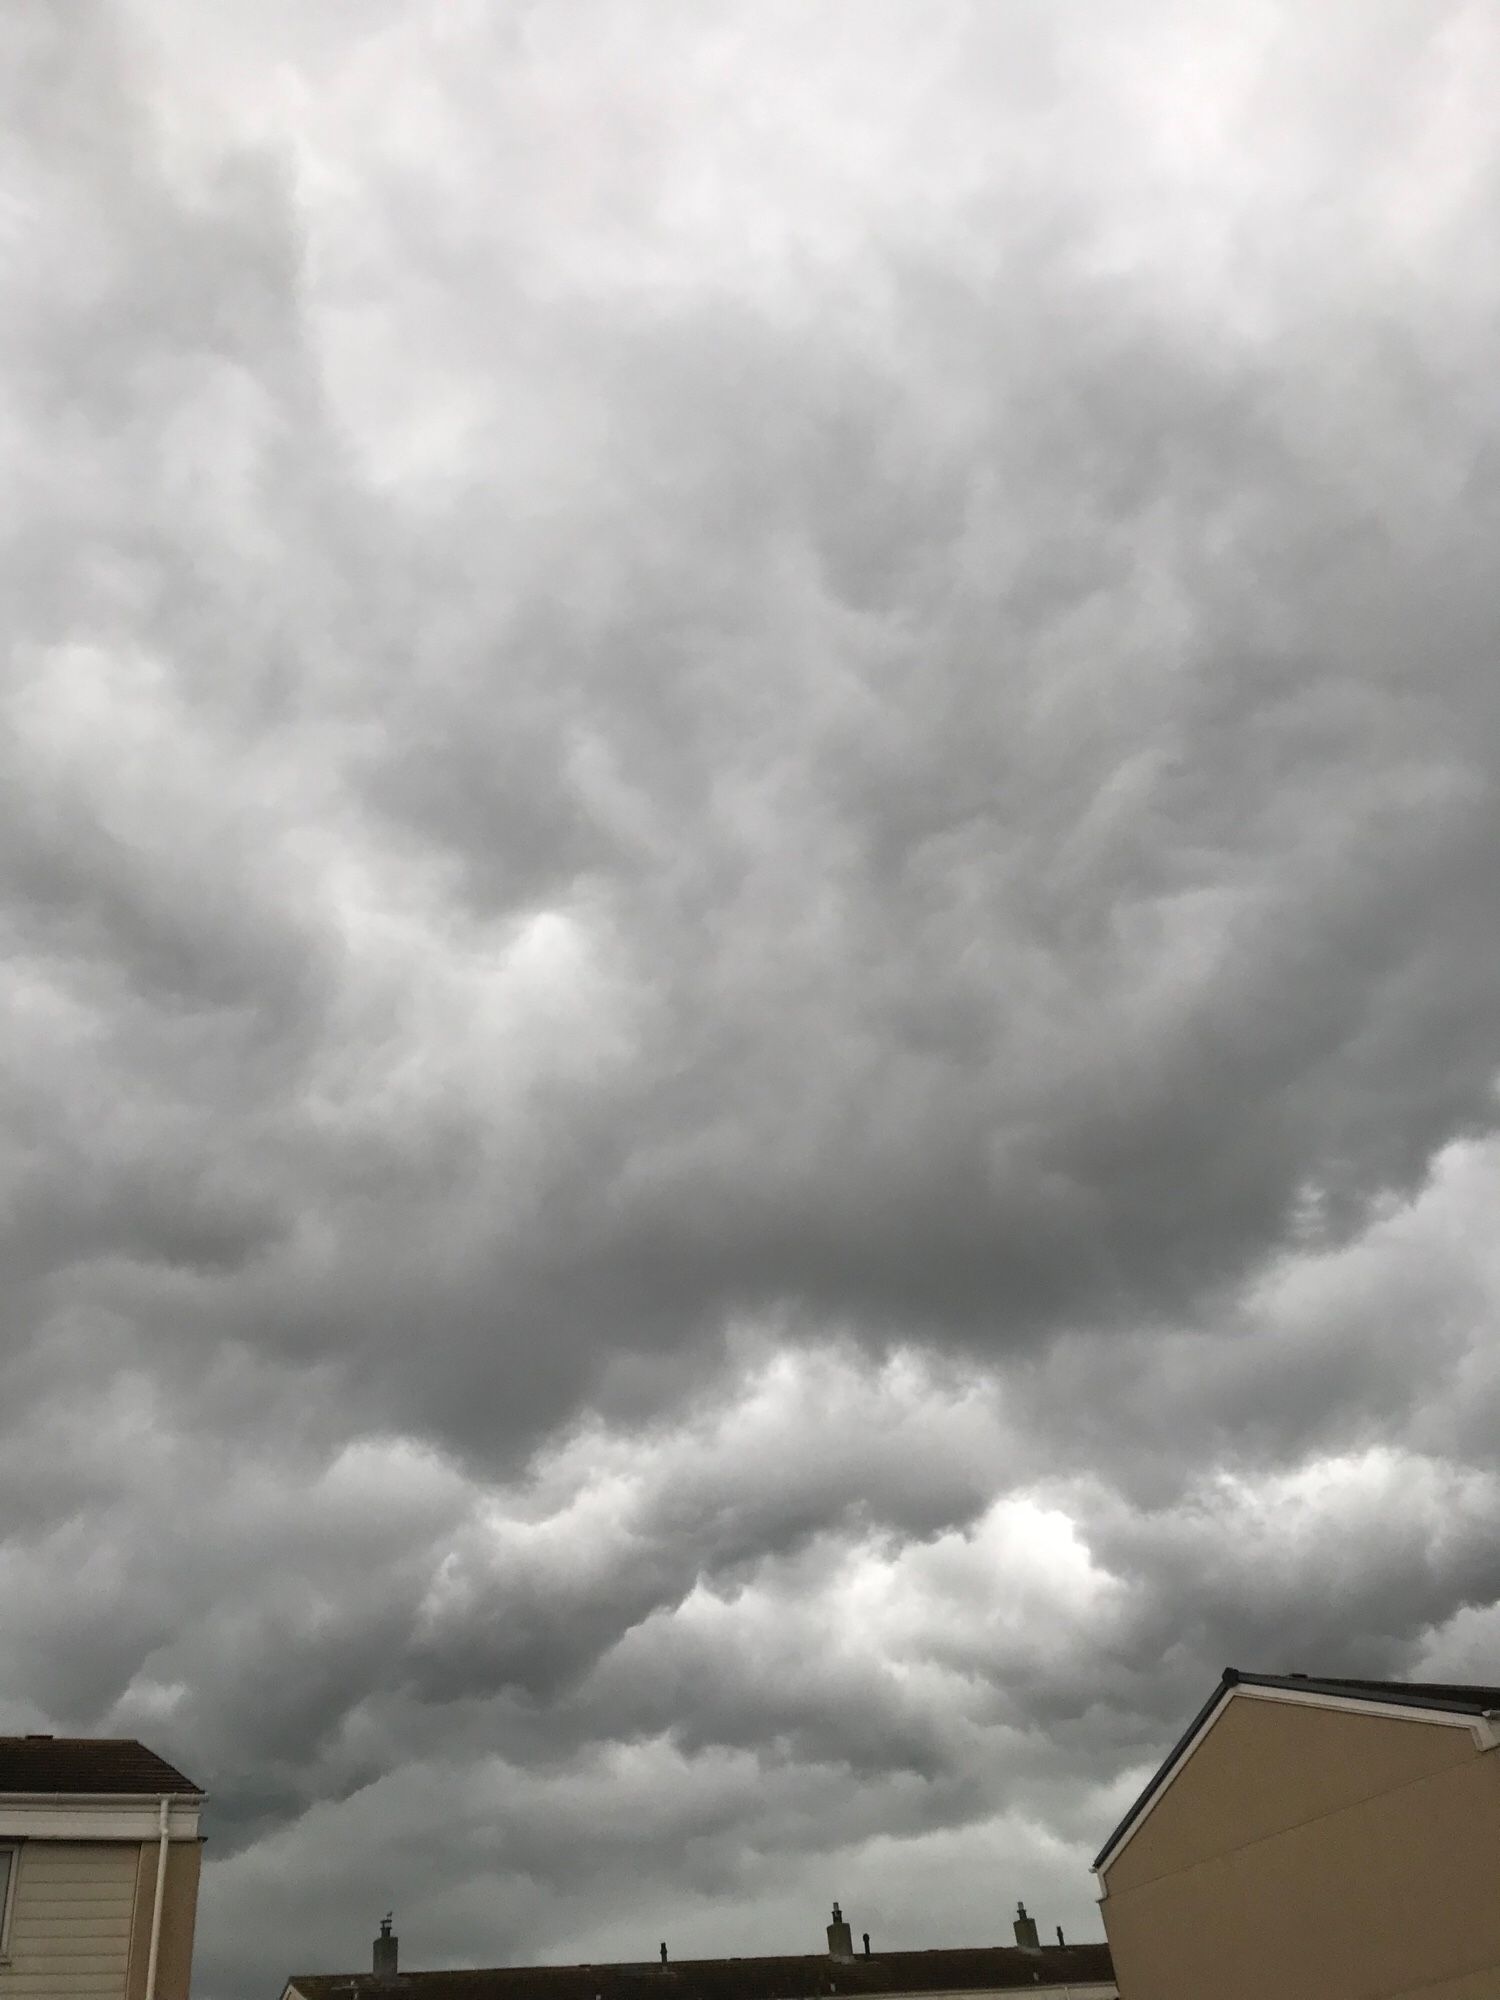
161 1885
103 1799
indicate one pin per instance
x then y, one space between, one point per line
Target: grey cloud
1010 948
693 697
875 1071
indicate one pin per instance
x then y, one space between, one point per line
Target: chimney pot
386 1948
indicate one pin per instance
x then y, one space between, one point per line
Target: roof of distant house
1441 1697
89 1765
984 1969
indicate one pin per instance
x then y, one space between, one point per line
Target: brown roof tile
985 1969
84 1764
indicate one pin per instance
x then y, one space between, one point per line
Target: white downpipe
161 1887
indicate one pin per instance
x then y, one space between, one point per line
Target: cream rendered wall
71 1921
85 1879
1477 1986
1314 1854
179 1911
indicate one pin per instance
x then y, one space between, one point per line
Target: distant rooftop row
1082 1970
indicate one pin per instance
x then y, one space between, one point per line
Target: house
1314 1840
1065 1971
88 1911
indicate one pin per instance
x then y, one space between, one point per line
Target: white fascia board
1103 1867
103 1799
1481 1728
70 1817
1392 1711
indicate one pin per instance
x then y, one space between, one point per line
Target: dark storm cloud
748 814
1021 789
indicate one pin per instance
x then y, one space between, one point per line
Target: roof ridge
53 1736
989 1968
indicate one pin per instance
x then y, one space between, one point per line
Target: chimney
664 1954
840 1937
1059 1934
1025 1930
867 1944
385 1950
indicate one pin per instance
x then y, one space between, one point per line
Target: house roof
985 1969
1442 1697
89 1765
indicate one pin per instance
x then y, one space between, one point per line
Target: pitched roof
83 1765
985 1969
1442 1697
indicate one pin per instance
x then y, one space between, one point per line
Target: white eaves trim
96 1816
1481 1727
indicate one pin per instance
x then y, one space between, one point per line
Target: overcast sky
750 878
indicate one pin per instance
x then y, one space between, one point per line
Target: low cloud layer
748 861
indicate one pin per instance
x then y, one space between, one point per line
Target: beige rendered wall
1314 1854
70 1922
179 1913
